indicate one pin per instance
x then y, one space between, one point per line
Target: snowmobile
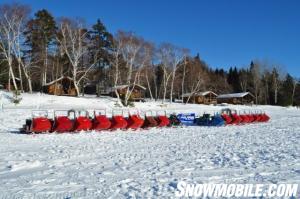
100 120
39 123
162 119
149 120
210 120
134 120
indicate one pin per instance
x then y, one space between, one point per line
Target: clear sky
224 32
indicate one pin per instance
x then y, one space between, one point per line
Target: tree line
36 50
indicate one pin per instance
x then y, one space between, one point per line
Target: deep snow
143 163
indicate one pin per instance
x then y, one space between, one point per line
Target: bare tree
72 41
195 87
12 18
244 79
184 70
255 70
148 66
116 63
170 57
136 54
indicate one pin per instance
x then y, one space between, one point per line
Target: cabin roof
125 86
235 95
199 94
59 79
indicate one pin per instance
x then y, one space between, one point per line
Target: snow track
146 163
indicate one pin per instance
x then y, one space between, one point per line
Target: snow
142 163
237 95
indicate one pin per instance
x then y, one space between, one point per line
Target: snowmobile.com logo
236 190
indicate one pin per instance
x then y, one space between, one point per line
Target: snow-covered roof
125 86
199 94
49 83
235 95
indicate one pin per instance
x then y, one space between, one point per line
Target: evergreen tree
234 80
102 42
40 34
286 91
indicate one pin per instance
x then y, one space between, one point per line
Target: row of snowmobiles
81 120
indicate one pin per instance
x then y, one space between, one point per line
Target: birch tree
72 40
295 84
195 87
149 68
135 54
12 18
169 56
255 70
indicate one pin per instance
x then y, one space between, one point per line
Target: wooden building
138 91
11 84
90 88
236 98
207 97
61 86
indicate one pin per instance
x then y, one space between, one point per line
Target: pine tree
102 41
101 44
286 91
40 35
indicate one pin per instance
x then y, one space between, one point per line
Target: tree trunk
172 86
13 78
293 94
9 78
20 76
275 95
183 79
76 88
149 87
165 90
46 65
28 80
29 85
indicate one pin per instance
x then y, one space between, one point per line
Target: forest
38 48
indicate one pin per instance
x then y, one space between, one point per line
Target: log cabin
61 86
207 97
236 98
138 91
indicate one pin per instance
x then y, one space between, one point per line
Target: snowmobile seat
265 117
101 121
251 117
203 120
40 124
83 122
64 123
118 121
236 119
162 119
226 118
217 120
149 120
244 118
134 121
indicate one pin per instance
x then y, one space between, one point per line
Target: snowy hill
143 163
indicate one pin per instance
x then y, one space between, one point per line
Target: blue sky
224 32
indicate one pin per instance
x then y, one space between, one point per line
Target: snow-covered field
143 163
